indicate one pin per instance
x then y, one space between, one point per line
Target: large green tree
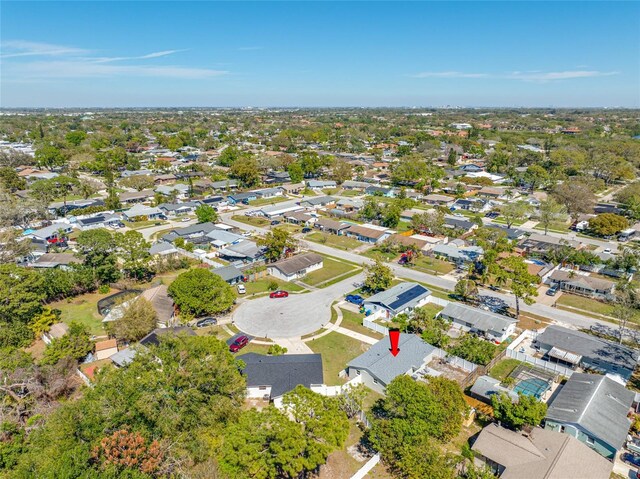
526 411
138 320
378 276
133 251
277 243
199 292
608 224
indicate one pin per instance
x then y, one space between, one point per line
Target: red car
238 344
279 294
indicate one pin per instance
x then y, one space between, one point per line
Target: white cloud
532 76
79 63
90 69
21 48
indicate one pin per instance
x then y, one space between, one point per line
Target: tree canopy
199 292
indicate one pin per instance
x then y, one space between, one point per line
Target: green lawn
251 220
403 226
556 226
337 350
589 305
82 309
262 285
350 193
503 368
268 201
331 269
427 264
377 253
335 241
353 321
289 227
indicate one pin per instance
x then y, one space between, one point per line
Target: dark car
204 322
279 294
238 344
306 230
552 290
492 214
354 299
275 222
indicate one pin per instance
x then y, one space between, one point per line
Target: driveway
291 317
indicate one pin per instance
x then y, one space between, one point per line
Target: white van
241 289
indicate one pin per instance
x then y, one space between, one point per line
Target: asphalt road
566 317
291 317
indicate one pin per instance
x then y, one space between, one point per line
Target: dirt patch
37 349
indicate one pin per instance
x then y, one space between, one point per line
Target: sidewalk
352 334
294 345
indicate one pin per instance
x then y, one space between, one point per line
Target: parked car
241 289
185 220
553 290
607 250
279 294
208 321
306 230
238 344
275 222
354 299
492 214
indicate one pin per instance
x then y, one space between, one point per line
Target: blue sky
163 53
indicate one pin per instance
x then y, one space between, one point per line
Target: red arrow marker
394 337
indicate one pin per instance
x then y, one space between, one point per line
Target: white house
492 326
295 267
401 298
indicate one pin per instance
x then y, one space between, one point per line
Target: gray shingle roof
597 403
379 362
296 263
486 387
227 272
282 373
589 346
479 319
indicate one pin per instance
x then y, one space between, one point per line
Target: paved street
291 317
566 317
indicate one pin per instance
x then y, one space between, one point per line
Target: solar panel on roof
406 296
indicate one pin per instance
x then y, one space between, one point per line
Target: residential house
56 331
315 202
439 200
273 211
538 243
295 267
593 409
54 233
62 261
572 348
163 249
321 184
61 208
292 189
460 224
493 326
270 377
165 179
299 218
224 185
277 177
493 193
141 211
221 239
538 454
477 205
229 274
218 202
355 185
105 349
242 198
460 255
194 233
368 233
349 205
102 220
130 197
401 298
331 226
380 191
245 252
178 191
511 233
268 193
377 367
178 209
580 283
